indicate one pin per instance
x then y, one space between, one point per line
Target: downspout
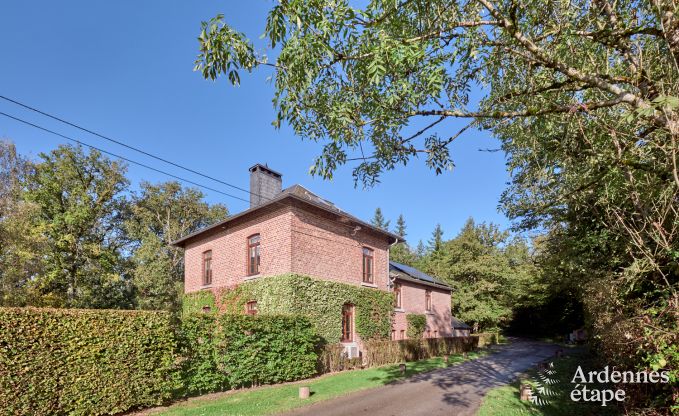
390 282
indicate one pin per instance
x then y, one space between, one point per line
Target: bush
84 362
320 301
233 351
416 325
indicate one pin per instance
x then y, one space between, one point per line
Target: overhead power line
120 143
121 157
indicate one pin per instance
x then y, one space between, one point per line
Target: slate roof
459 324
299 193
404 272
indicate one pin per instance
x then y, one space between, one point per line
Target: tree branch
548 61
573 108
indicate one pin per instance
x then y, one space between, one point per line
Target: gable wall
229 249
325 248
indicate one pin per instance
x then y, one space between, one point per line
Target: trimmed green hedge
417 323
200 372
84 362
231 351
320 301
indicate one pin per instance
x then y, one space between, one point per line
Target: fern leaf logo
544 381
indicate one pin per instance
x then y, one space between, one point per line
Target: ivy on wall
320 301
196 302
416 324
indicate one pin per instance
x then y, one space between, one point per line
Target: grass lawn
504 401
275 399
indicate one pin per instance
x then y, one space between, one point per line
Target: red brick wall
324 248
294 239
412 300
229 249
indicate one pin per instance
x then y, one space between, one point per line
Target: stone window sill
205 287
369 285
401 310
252 277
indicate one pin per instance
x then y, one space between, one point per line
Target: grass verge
275 399
504 401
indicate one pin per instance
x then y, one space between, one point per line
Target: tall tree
436 241
421 249
400 226
491 276
81 209
161 214
379 221
20 241
402 252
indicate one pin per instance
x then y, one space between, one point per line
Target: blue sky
124 69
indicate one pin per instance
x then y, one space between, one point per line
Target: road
456 390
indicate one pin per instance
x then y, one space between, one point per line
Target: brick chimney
265 184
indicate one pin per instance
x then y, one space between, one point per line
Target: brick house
293 230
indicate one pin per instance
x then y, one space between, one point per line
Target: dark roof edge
457 323
434 282
408 278
179 242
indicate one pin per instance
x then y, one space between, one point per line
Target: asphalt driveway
457 390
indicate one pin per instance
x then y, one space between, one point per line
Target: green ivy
416 325
196 301
84 362
320 301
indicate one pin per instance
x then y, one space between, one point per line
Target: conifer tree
436 238
400 226
379 221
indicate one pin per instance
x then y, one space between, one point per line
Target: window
427 301
253 255
428 333
367 265
397 294
393 335
436 334
251 307
207 268
206 309
348 323
403 334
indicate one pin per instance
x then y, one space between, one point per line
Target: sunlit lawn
275 399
